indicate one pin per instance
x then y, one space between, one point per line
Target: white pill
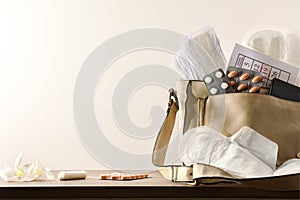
208 79
224 85
213 90
219 74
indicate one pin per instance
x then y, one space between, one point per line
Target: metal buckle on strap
182 173
174 173
172 97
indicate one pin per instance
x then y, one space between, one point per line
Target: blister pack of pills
122 177
217 83
243 80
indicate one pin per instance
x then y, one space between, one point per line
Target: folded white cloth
245 154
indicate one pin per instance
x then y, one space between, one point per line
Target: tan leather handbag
191 106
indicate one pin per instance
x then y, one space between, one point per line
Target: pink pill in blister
243 80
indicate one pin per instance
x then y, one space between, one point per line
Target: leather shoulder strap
164 135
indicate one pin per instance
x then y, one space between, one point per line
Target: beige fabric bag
276 119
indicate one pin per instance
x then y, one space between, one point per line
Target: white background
44 43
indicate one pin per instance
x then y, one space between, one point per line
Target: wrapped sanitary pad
278 42
246 154
199 55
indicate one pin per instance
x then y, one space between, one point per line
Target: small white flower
26 172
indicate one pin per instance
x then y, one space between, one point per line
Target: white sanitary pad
199 55
246 154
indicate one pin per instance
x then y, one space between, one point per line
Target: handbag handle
164 135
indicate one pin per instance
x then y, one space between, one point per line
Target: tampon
72 175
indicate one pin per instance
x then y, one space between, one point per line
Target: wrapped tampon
72 175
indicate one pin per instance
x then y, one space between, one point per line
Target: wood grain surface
153 187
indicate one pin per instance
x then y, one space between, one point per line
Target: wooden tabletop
153 187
